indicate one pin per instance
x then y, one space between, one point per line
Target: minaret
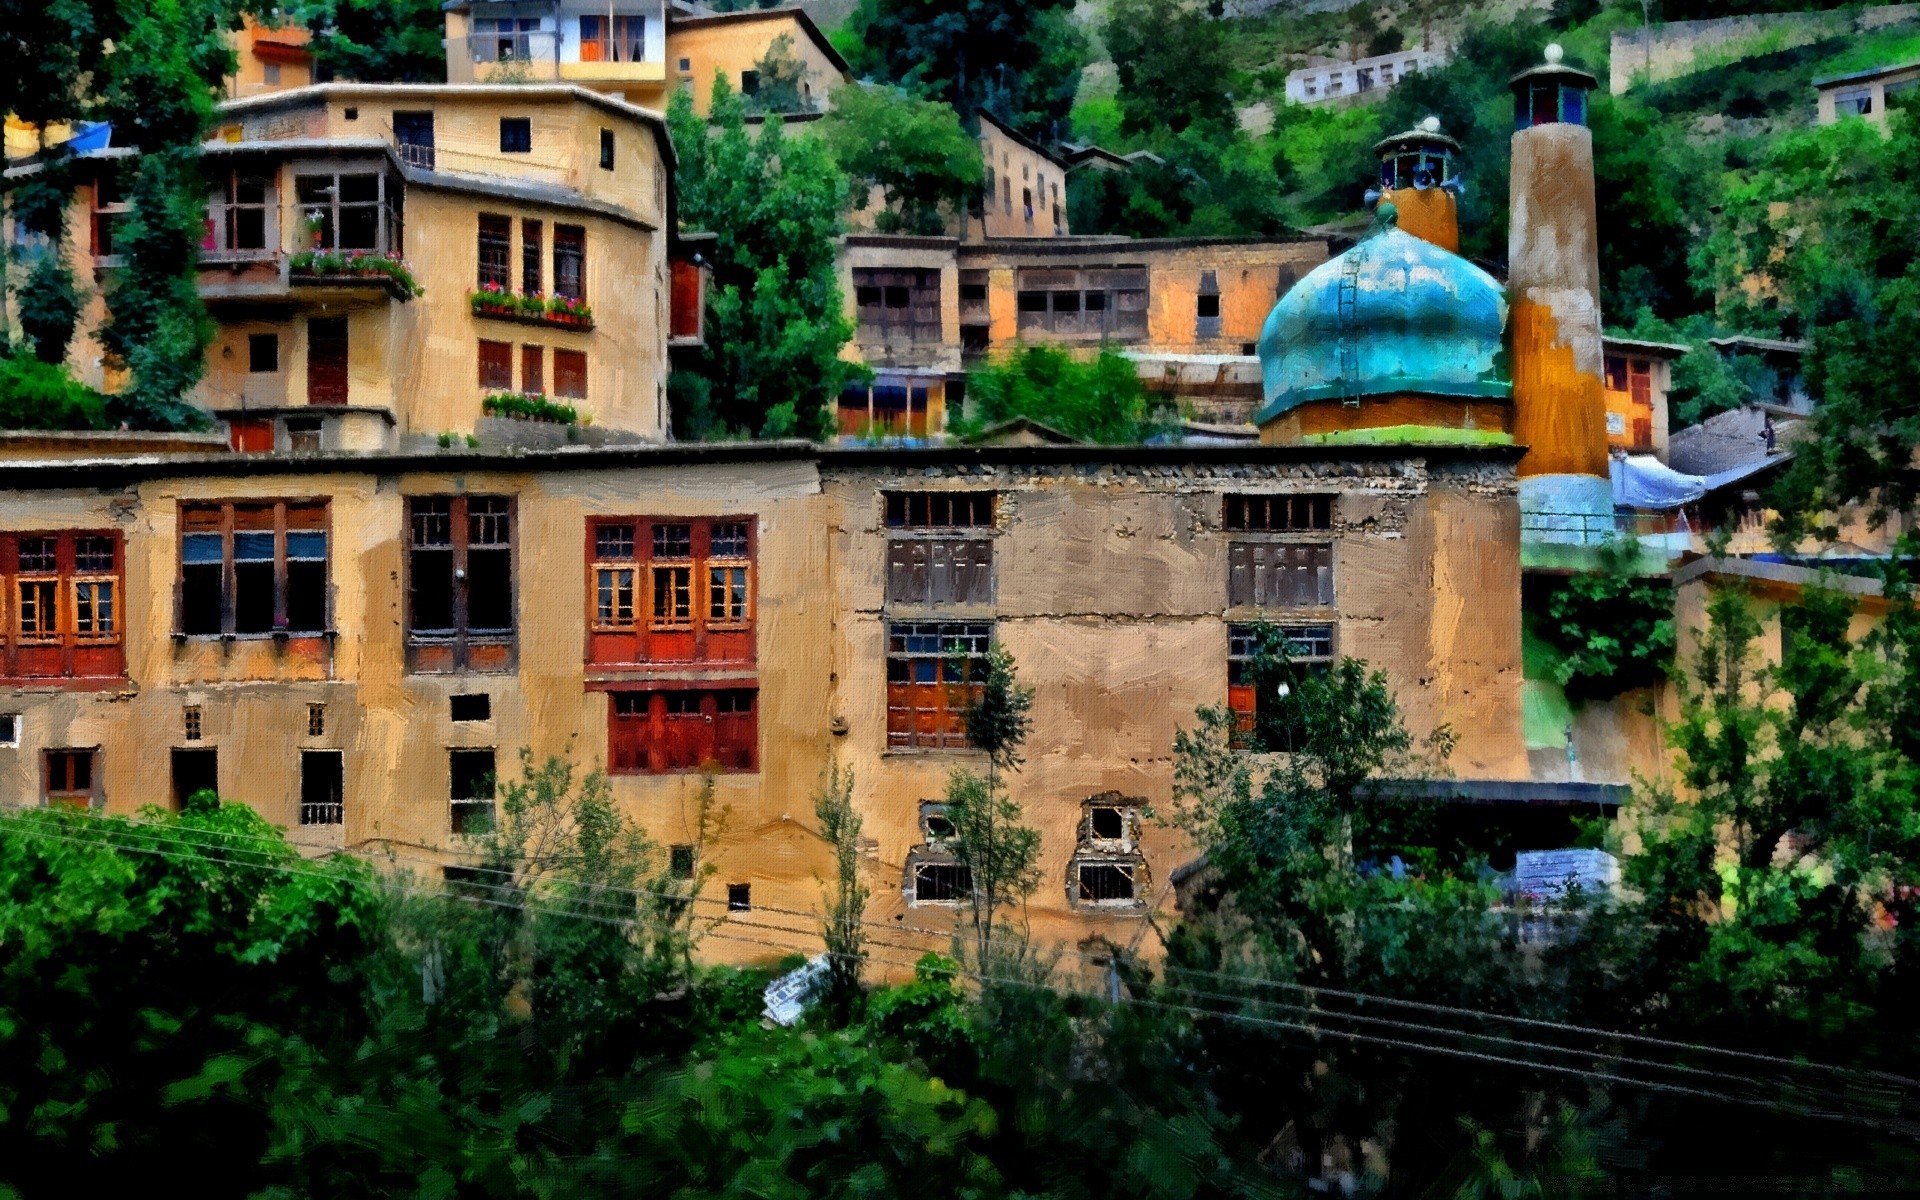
1553 284
1419 176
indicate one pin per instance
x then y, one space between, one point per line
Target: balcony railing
501 57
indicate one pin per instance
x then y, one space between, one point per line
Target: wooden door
327 360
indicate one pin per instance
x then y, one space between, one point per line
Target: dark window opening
680 861
939 510
739 897
263 353
1279 513
570 261
942 883
606 149
495 250
471 776
253 568
194 771
1106 883
516 135
460 582
322 787
69 778
474 706
1108 824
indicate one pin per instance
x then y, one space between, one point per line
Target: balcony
534 57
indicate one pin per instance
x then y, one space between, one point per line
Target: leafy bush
1613 627
529 406
356 262
39 395
1100 401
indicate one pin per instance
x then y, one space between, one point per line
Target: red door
327 360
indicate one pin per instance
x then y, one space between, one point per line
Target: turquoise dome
1394 314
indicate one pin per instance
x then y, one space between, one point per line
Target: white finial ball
1555 53
1431 125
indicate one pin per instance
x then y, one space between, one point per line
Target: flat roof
115 469
1655 349
1869 73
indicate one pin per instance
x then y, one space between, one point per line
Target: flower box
558 312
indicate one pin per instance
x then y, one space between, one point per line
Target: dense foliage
1612 627
770 365
388 41
1094 400
914 151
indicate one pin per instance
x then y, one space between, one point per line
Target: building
1334 81
1026 187
1187 310
382 260
1637 377
1864 93
637 50
269 59
353 643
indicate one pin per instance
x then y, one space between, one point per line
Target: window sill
967 752
272 635
680 773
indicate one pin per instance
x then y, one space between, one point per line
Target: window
939 510
61 593
9 729
680 861
606 149
194 771
739 897
532 260
891 406
190 722
413 131
270 74
1207 307
613 39
303 435
1856 102
477 706
749 83
253 568
1090 302
70 778
471 778
110 208
1106 884
667 590
935 563
328 376
656 732
1112 822
1279 513
934 671
459 583
496 253
348 211
897 303
1363 79
941 883
516 135
935 824
1253 693
263 353
496 366
322 787
570 261
1267 574
686 64
316 720
533 369
240 219
570 374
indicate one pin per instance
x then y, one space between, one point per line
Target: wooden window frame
1280 571
453 650
647 729
1277 512
930 713
89 797
569 366
62 649
1321 638
646 633
570 243
388 227
225 512
493 363
532 258
493 247
874 292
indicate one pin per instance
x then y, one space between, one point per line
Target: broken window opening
471 780
1263 718
1106 884
941 883
323 788
1279 513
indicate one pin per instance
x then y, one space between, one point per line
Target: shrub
37 395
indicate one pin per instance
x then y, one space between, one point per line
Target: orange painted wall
1558 410
1428 213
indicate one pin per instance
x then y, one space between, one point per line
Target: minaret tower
1419 176
1553 283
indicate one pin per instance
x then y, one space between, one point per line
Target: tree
48 299
1612 626
1173 64
927 168
781 78
1017 59
378 41
1100 401
771 364
1001 854
846 898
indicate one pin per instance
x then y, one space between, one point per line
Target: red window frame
928 693
679 728
65 564
631 559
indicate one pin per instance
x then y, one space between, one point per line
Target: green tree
781 76
1018 60
844 926
1100 400
927 168
771 364
1001 854
378 41
1173 64
48 299
1612 626
42 395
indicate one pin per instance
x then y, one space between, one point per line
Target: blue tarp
1644 482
